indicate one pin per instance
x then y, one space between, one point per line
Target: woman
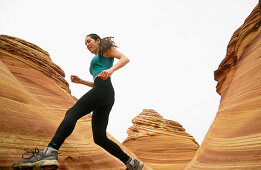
98 100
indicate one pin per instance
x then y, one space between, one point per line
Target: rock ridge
151 122
33 56
160 143
226 67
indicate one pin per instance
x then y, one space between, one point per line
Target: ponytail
105 44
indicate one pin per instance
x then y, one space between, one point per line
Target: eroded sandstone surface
161 143
34 97
234 138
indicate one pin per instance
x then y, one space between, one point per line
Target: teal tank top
98 64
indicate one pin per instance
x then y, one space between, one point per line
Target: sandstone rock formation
160 143
34 97
234 138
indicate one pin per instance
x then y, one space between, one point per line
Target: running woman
98 100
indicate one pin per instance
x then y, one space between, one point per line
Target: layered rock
160 143
34 97
233 140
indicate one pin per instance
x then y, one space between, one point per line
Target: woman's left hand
105 74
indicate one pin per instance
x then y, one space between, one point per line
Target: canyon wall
161 143
234 138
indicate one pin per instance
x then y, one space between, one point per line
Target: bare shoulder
112 52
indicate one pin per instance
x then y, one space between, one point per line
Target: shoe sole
52 164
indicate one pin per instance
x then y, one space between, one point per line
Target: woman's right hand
75 79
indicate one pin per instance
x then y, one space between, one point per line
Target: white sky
174 47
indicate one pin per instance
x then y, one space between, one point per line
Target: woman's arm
123 60
87 83
76 79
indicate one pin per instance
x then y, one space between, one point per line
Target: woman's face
92 45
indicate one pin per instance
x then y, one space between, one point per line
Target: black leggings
100 100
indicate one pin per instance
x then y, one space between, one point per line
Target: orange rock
34 97
233 140
160 143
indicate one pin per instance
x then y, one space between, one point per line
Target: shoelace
35 151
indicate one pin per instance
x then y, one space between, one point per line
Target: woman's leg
99 125
86 104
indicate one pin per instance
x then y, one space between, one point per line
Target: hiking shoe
134 164
47 158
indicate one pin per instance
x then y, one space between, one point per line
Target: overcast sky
174 47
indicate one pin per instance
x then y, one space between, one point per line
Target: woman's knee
100 140
70 114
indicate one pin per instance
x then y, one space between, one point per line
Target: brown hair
105 44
